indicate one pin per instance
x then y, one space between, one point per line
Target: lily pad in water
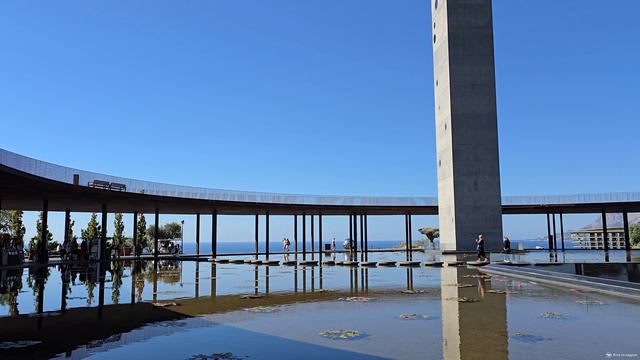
216 356
165 304
356 299
530 338
263 309
589 302
251 296
555 315
343 334
413 316
411 292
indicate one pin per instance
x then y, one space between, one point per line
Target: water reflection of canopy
81 326
26 182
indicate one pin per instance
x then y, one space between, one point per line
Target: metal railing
66 174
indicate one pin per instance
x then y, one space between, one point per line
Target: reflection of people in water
481 287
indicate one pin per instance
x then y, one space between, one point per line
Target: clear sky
322 97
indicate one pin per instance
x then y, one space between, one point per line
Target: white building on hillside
592 239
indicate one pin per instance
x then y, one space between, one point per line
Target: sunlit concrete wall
466 124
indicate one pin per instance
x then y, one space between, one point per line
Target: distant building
592 239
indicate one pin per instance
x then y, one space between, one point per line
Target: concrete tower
469 198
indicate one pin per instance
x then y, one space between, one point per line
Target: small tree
172 230
151 232
430 233
118 232
17 230
70 235
5 219
141 228
37 239
93 229
634 235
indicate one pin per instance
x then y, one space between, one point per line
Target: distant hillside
613 221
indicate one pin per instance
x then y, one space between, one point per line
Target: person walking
506 248
333 244
506 245
482 256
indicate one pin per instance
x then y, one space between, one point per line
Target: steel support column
361 237
42 250
197 234
267 234
313 240
410 238
135 235
549 231
627 237
406 237
214 233
350 232
605 231
256 230
355 236
555 234
366 238
67 223
304 236
562 230
320 251
156 231
295 235
103 235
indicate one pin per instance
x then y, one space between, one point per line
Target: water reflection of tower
472 330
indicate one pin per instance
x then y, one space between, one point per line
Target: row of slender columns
42 252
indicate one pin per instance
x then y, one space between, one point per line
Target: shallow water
405 313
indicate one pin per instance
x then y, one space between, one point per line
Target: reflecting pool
200 310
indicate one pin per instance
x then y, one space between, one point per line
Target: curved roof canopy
26 182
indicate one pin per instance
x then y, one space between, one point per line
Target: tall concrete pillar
468 165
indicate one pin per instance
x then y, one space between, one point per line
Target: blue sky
323 97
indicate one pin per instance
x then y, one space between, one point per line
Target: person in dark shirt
506 245
482 256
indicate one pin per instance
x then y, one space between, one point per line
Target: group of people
286 244
482 255
69 250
